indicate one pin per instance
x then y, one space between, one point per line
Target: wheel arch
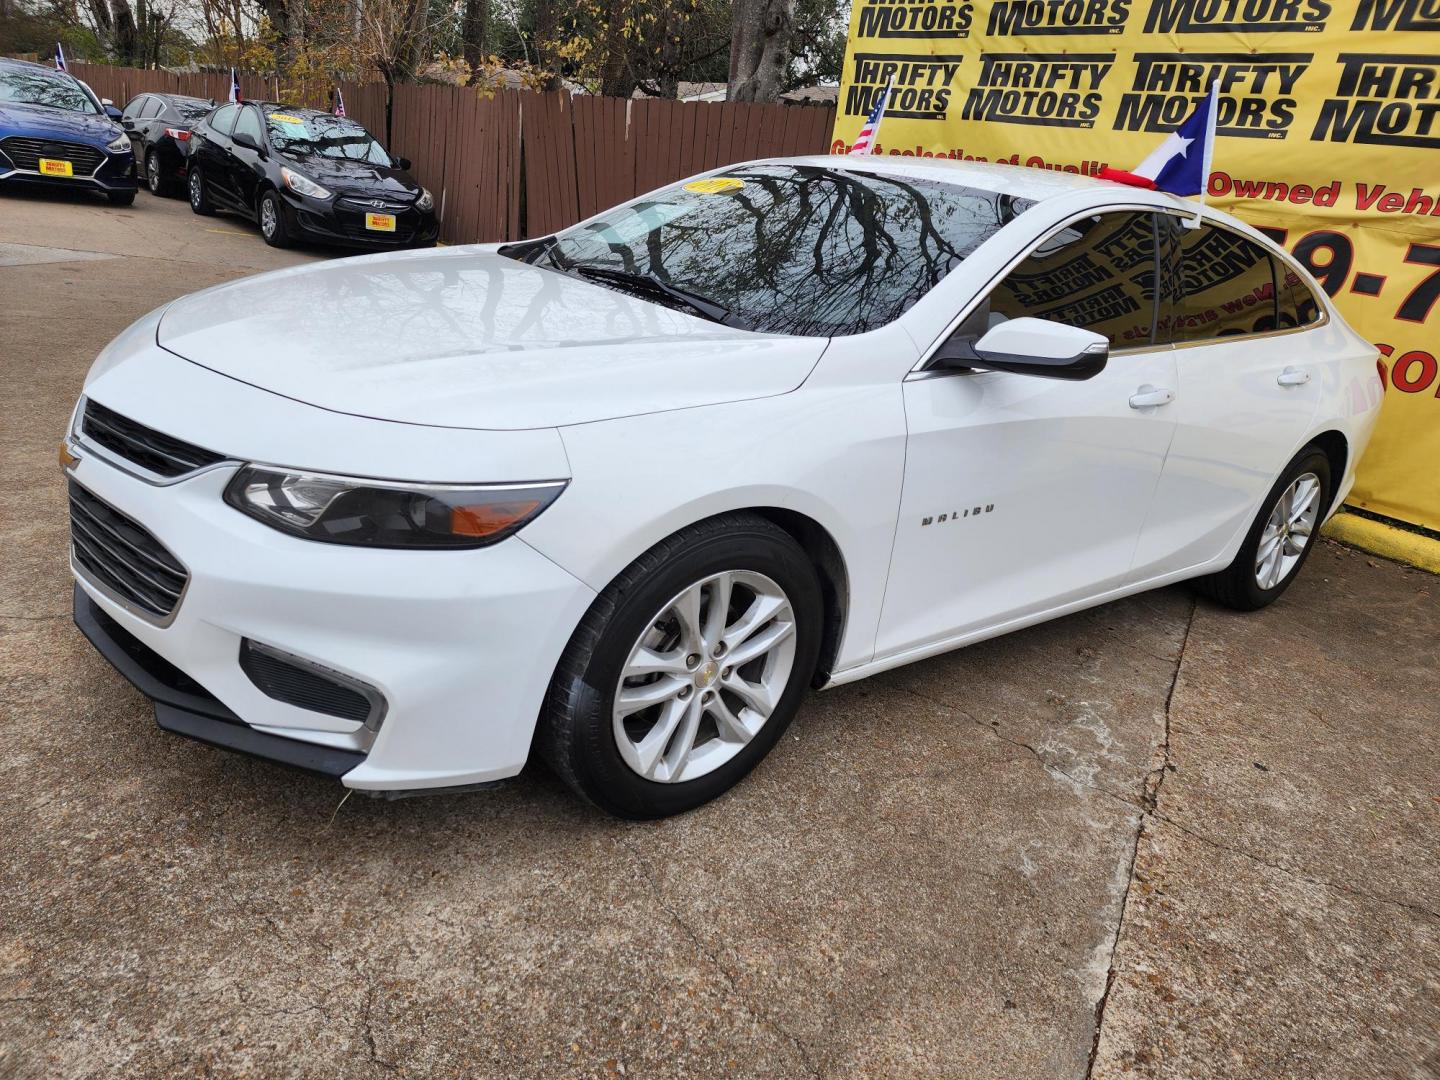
824 554
1336 448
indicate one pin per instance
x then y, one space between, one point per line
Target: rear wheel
1281 538
199 196
155 179
272 220
686 670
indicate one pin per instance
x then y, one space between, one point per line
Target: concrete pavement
1214 834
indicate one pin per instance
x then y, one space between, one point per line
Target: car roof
176 97
1018 180
6 63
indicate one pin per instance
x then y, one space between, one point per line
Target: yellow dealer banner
1328 138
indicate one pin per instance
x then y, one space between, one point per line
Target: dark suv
302 174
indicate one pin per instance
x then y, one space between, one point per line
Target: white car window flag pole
1177 165
234 86
60 57
865 141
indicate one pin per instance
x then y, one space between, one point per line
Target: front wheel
272 220
199 197
1281 538
686 670
120 198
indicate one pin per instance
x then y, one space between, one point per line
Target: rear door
1250 381
1023 494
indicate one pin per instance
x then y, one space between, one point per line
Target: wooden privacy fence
520 163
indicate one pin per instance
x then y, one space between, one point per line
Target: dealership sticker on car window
715 185
380 222
52 167
285 118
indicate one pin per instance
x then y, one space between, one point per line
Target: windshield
789 249
323 134
42 88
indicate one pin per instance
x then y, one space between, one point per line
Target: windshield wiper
701 305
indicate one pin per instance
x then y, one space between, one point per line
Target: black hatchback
159 126
303 174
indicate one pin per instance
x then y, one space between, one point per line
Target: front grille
367 206
305 687
144 446
121 555
26 153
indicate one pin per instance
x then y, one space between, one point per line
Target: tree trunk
760 37
125 34
475 32
545 42
615 77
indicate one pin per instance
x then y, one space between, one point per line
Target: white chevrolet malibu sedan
619 496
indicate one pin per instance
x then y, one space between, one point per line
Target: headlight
302 184
386 514
425 202
119 144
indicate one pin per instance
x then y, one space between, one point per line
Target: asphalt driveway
1212 835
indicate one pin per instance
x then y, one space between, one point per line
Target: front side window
1097 273
152 108
136 104
54 91
249 123
786 249
1227 285
1298 304
320 134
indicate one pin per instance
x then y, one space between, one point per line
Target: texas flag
60 57
235 86
1180 164
339 102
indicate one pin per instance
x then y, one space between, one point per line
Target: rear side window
1097 273
223 119
1298 304
1226 287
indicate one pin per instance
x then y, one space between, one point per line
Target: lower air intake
298 682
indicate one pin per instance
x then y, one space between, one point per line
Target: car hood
467 338
355 177
40 121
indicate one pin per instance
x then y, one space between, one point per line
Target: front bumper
334 221
115 173
461 645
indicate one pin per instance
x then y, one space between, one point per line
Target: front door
1023 494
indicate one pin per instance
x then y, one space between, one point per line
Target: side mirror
1028 346
403 163
245 139
110 110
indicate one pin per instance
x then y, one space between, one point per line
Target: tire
120 198
271 217
199 197
156 182
579 735
1246 584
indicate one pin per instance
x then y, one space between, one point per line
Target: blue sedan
55 132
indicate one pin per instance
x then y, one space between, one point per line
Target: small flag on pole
339 102
1180 164
865 141
235 86
60 57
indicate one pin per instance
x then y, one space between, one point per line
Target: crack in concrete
740 995
1150 800
367 1028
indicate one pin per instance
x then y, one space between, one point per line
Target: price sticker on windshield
285 118
53 167
380 222
715 185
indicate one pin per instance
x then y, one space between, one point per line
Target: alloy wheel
152 173
704 677
267 217
1288 531
196 191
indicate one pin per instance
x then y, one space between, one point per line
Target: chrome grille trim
156 456
121 558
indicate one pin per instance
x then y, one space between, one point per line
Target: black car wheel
120 198
199 197
155 179
272 220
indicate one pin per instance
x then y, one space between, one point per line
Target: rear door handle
1293 376
1148 397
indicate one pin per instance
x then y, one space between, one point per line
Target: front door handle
1293 376
1148 397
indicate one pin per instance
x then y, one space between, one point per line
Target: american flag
339 102
865 141
235 86
60 57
